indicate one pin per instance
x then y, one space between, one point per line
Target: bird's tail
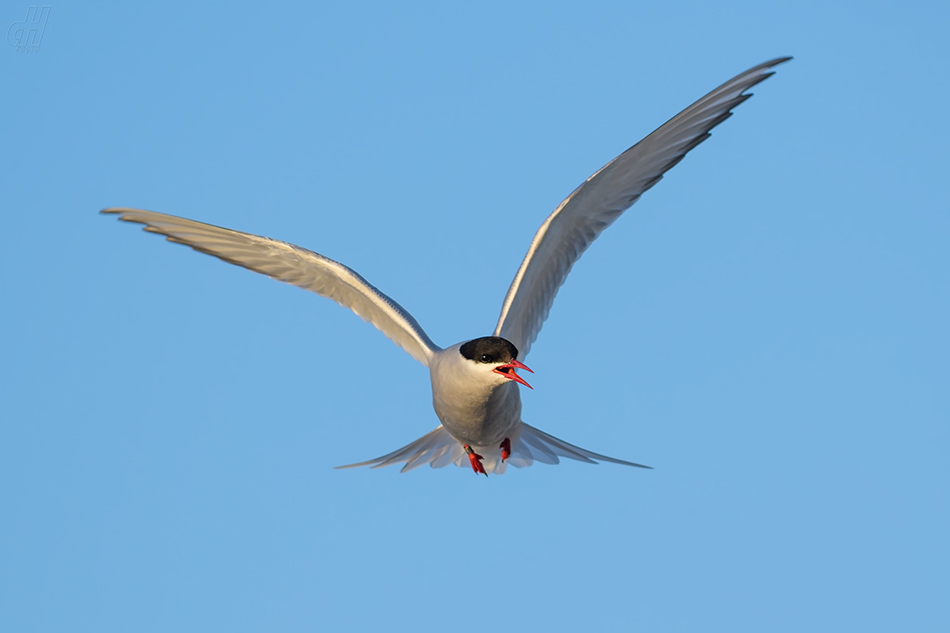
528 445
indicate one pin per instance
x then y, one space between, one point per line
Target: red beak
508 371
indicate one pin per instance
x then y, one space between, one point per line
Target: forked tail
528 445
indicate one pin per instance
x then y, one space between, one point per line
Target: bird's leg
505 449
476 460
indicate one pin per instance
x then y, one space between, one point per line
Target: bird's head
495 355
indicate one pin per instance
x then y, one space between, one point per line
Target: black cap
489 350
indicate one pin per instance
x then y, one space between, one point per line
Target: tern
475 384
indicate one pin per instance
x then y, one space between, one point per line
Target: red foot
476 460
505 449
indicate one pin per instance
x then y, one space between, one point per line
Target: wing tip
125 214
120 210
371 464
634 464
775 62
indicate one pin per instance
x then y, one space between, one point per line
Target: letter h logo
28 34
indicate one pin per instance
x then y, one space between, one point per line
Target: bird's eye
485 358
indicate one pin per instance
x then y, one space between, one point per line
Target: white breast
476 406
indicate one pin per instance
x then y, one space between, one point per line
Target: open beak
508 371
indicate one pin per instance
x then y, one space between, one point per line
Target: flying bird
475 384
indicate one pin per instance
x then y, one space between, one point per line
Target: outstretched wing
593 206
296 266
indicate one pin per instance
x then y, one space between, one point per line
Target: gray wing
593 206
296 266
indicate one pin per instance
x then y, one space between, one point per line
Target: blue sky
767 327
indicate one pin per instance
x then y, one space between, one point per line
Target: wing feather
296 266
593 206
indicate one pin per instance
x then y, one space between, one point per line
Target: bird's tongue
508 371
